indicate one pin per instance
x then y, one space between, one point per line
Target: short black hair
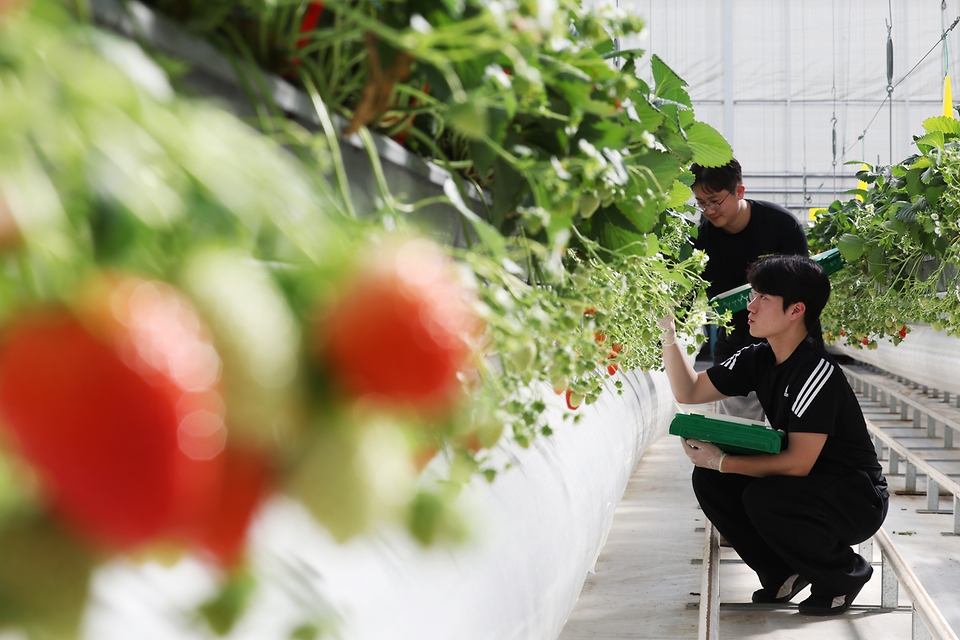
795 279
713 179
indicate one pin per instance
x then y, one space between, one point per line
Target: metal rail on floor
887 396
709 624
927 621
936 479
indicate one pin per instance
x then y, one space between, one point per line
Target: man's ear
797 309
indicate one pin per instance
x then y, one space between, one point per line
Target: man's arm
796 460
689 387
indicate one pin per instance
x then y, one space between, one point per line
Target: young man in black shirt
791 516
734 232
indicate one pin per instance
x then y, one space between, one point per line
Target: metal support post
916 418
911 477
956 515
933 495
931 427
919 630
889 587
866 550
894 465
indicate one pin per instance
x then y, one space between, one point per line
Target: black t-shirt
807 393
771 230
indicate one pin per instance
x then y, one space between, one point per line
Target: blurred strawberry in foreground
258 341
401 332
247 480
116 405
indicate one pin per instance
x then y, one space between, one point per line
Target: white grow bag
927 357
540 527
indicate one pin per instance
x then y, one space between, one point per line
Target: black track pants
781 525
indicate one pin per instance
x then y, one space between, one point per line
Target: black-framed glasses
711 206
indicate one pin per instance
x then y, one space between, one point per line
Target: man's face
721 208
766 315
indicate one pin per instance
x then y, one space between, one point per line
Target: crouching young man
792 516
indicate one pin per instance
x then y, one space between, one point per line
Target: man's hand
668 328
704 454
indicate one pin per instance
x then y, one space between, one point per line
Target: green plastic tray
731 434
737 299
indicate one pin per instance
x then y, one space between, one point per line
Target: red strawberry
117 406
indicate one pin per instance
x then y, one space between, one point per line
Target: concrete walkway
648 576
647 580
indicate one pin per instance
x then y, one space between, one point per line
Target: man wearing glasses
734 232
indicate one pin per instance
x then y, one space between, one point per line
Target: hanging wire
943 38
889 78
945 59
833 92
807 199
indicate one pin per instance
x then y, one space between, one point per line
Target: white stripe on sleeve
812 387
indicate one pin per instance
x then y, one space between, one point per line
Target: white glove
704 454
668 327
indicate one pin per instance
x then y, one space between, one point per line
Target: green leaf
603 133
914 183
930 141
664 166
649 116
909 213
613 230
644 217
710 148
668 84
674 140
678 195
933 194
624 53
469 117
483 157
877 264
851 247
943 124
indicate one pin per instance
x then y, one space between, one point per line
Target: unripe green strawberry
257 338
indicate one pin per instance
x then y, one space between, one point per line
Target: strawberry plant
900 243
191 303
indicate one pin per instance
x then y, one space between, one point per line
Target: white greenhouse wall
772 74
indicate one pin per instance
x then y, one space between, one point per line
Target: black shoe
769 596
828 605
